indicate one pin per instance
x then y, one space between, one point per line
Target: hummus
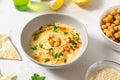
55 44
105 74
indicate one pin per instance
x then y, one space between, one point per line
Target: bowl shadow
78 70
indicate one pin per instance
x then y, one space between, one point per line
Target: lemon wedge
80 2
57 5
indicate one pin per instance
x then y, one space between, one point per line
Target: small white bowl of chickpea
110 27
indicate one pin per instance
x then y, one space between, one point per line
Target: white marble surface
12 22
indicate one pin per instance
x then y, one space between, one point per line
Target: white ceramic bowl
41 20
114 45
101 64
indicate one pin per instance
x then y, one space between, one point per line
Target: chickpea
109 15
113 12
115 28
118 17
118 10
105 30
57 39
104 26
56 44
108 24
51 41
117 22
111 30
116 35
108 19
118 27
112 25
109 27
112 38
108 33
104 20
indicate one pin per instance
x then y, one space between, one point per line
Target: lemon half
57 5
80 2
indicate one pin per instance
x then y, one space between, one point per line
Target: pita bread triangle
7 50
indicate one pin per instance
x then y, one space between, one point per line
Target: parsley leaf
47 59
65 33
57 55
41 45
55 28
38 77
50 49
34 47
73 42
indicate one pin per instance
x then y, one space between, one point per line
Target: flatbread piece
7 50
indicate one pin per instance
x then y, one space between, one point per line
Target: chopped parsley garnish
41 45
38 77
50 49
47 60
36 35
77 34
65 33
34 47
57 55
73 42
72 47
76 38
55 28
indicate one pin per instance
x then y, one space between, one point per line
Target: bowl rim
96 63
104 13
56 65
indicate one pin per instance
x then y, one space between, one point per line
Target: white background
12 22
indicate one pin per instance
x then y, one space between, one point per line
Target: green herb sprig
38 77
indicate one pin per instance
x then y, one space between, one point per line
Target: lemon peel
57 5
